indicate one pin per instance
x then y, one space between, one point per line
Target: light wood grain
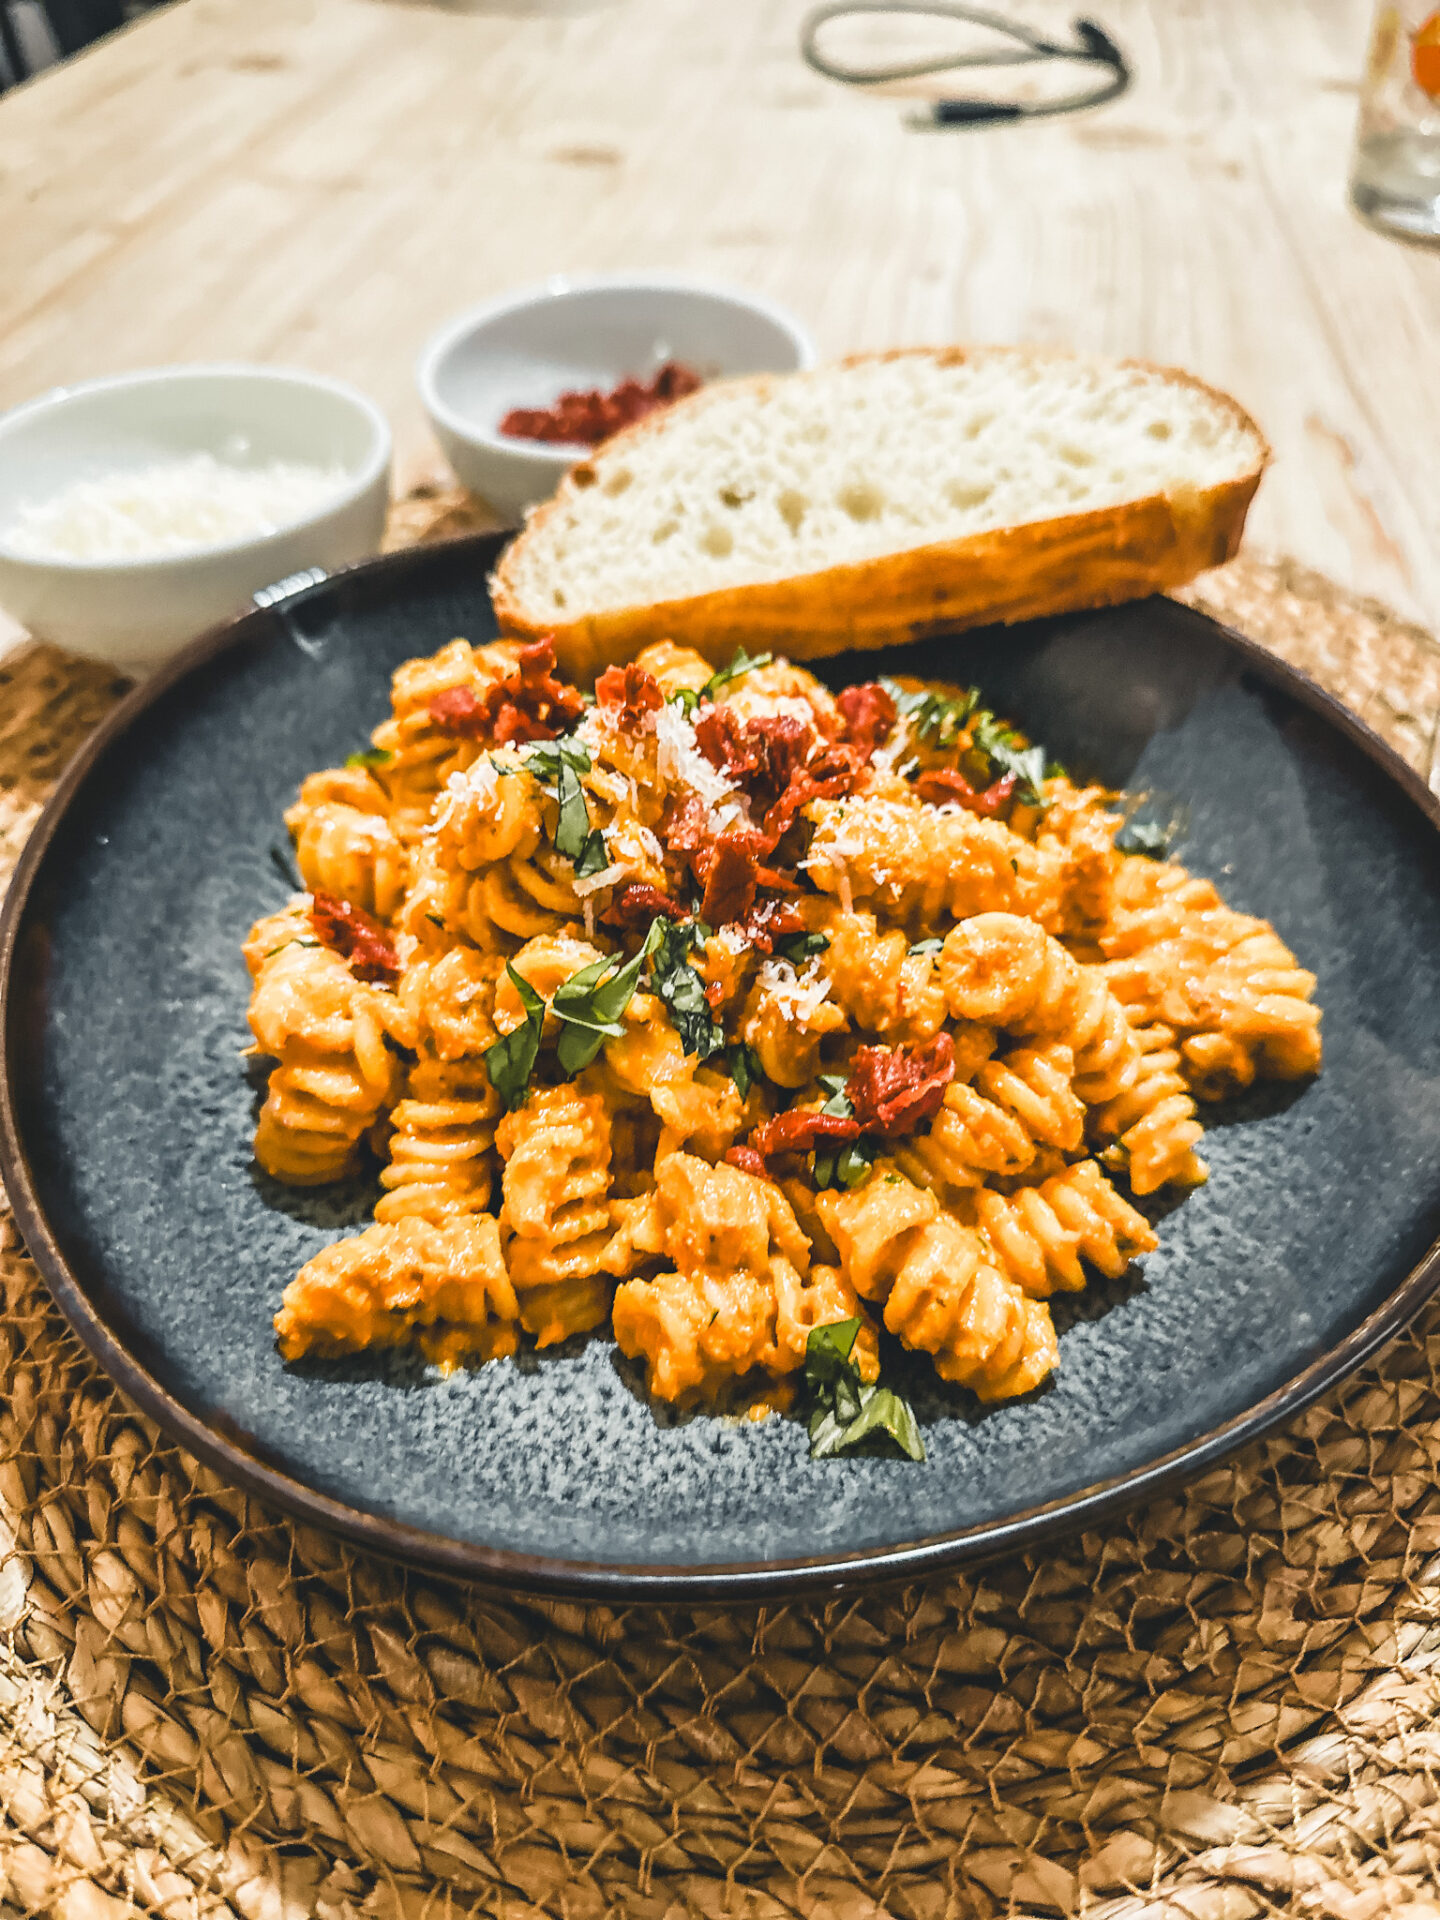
324 181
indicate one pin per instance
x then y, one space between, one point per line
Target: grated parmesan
681 760
170 507
797 995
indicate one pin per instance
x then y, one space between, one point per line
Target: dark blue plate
126 1115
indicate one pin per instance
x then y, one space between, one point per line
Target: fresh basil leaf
572 829
1148 837
370 757
844 1412
828 1158
682 990
834 1083
686 698
799 947
511 1061
827 1350
935 717
593 857
742 663
884 1412
284 865
928 946
545 758
590 1006
745 1068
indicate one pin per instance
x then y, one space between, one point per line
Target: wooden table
324 181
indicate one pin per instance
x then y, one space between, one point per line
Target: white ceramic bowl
136 612
528 348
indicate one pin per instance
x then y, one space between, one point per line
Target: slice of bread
896 493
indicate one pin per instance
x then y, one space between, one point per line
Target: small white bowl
135 613
528 348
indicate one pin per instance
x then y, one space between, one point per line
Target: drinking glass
1395 180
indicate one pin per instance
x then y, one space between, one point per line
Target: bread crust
1042 567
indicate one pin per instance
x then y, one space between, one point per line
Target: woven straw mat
1226 1705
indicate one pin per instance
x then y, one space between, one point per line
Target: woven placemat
1222 1706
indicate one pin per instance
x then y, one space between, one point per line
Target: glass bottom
1396 184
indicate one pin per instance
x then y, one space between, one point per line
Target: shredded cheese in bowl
170 507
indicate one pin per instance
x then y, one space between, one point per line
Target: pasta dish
765 1024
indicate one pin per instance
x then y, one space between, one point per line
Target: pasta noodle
724 1008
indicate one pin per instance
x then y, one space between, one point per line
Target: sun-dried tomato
781 745
769 921
587 416
893 1090
725 741
636 905
800 1129
747 1160
869 715
831 774
461 711
943 785
686 825
732 875
357 938
630 688
529 704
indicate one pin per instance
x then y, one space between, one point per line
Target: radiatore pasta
718 1008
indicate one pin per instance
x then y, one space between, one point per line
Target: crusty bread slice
892 494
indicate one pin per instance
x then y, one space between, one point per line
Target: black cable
1091 46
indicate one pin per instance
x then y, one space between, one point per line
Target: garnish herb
558 764
1001 747
572 829
1145 836
545 758
845 1413
681 988
745 1068
927 946
370 757
799 947
936 717
843 1163
1156 834
284 865
589 1005
742 663
593 857
686 698
511 1061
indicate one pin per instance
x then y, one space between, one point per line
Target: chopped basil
686 698
545 758
572 829
511 1061
1149 828
799 947
593 857
936 717
840 1163
682 989
589 1005
558 764
1144 836
1001 747
284 865
370 757
745 1068
928 946
742 663
846 1413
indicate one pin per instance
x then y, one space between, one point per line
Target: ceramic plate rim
603 1580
